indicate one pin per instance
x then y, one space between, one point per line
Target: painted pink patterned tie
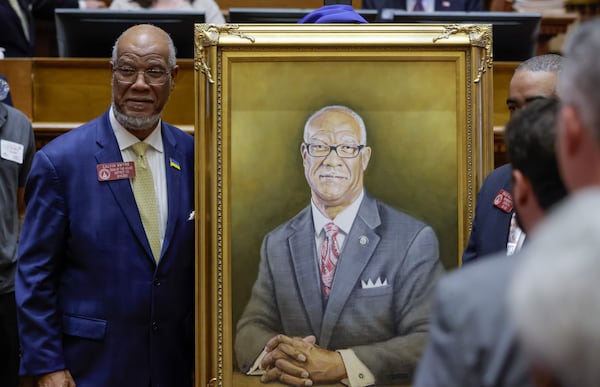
419 6
330 252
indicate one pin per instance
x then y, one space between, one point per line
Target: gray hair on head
352 113
579 83
551 63
554 299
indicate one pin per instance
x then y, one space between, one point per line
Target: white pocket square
370 284
192 215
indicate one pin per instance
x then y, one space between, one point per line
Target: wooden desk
553 25
58 94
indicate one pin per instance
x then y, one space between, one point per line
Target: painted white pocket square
370 284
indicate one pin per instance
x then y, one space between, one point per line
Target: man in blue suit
343 287
105 278
494 227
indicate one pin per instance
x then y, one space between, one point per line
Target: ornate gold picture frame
425 94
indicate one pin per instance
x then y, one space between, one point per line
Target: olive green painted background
410 110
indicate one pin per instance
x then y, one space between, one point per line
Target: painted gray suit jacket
471 340
385 326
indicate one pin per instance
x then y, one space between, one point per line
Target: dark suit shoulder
499 178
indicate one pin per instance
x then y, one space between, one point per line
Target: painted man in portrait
343 288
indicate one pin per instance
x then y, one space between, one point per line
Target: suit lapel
173 176
109 152
357 251
302 250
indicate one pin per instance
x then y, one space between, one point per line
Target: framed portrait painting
423 93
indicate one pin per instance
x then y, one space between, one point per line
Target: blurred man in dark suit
495 227
471 340
554 297
17 22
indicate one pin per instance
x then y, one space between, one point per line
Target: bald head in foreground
105 278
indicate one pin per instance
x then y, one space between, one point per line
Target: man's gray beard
135 123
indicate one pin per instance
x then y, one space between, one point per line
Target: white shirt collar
125 139
343 220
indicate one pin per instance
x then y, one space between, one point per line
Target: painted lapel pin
175 164
363 240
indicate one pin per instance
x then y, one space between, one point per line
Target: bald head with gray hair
550 63
171 61
352 113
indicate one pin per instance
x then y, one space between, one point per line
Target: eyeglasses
345 151
129 75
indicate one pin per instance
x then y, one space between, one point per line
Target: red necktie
330 252
419 6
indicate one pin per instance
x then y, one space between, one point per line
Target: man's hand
278 350
61 378
300 362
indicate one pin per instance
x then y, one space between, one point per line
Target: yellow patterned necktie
145 197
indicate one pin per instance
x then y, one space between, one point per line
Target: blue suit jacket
90 296
489 232
440 5
385 326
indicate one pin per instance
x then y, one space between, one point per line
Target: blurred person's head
554 300
533 79
579 91
530 137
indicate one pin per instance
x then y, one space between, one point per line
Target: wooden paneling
68 90
58 94
19 74
76 90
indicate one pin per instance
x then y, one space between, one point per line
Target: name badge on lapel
504 201
116 171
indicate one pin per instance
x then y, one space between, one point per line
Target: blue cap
335 13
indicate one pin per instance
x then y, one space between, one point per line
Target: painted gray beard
136 124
